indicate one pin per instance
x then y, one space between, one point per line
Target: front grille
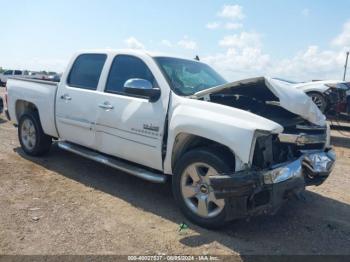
271 150
309 129
315 137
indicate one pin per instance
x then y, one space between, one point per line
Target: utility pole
346 65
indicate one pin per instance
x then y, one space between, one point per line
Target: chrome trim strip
311 127
302 139
113 162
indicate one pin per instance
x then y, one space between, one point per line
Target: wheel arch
184 142
23 106
46 119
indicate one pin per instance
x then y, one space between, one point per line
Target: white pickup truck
9 73
232 149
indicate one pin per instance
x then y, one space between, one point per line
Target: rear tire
32 138
192 192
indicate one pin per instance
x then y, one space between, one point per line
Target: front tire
32 138
191 186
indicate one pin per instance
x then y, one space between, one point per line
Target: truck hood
269 91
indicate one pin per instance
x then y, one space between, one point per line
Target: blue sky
295 39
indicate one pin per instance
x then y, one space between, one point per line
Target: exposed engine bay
258 100
299 135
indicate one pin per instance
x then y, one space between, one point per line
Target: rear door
76 106
131 127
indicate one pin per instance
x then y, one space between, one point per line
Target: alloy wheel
197 192
28 134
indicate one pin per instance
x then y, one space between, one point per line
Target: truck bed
38 92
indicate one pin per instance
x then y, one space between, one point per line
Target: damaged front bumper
255 192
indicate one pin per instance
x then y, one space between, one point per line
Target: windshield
187 77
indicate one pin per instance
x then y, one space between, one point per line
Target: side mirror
143 88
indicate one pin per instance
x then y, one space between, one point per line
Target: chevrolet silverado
232 149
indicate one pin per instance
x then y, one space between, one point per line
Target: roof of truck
133 52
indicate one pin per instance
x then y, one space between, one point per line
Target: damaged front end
282 166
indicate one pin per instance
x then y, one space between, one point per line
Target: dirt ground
65 204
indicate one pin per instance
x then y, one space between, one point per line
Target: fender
229 126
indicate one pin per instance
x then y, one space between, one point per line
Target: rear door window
86 71
18 72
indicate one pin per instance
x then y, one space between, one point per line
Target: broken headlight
261 149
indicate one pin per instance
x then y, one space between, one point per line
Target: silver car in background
330 96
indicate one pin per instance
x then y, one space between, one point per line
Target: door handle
66 97
106 106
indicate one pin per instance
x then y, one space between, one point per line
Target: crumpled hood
296 101
291 99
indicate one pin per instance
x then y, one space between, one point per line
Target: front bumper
254 192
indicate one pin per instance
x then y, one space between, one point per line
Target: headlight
284 173
257 134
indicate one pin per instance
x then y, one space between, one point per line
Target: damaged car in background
330 96
232 150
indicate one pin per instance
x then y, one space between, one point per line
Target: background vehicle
50 76
232 149
54 77
10 73
39 75
330 96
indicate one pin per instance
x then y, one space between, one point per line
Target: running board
113 162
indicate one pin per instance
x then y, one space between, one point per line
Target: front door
130 127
